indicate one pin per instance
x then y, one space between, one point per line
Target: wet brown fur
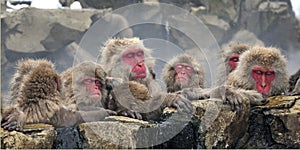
169 73
264 57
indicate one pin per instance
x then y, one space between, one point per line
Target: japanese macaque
38 99
263 69
85 87
194 90
129 60
183 71
294 83
230 56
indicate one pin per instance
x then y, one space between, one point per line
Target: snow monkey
194 89
183 71
230 56
85 87
129 60
263 69
38 99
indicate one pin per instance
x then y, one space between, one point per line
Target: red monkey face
135 58
92 87
233 61
183 72
263 78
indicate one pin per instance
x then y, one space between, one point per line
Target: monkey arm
195 93
177 101
67 118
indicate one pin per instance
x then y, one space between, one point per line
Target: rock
109 135
37 136
275 125
45 30
219 126
284 123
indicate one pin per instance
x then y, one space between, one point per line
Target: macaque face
183 72
233 61
135 58
263 78
92 87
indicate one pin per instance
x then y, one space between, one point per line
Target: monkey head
24 66
181 72
262 69
41 83
85 81
231 54
127 58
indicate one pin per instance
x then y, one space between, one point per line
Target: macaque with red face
129 60
136 60
85 87
263 69
181 72
184 75
230 56
38 98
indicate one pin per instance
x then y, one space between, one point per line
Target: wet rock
276 124
35 136
219 126
108 134
67 138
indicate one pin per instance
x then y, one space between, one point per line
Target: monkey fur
228 50
38 99
264 57
196 80
111 58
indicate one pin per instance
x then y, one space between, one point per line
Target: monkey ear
58 83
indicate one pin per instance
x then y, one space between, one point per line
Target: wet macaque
183 71
230 56
193 89
294 81
85 87
129 60
263 69
38 99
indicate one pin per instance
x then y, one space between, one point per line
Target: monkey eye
97 82
88 80
179 66
188 68
270 73
234 59
140 53
257 71
130 55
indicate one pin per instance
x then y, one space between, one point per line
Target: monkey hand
230 96
13 119
254 97
131 114
179 102
111 112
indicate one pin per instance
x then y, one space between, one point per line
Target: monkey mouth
181 79
140 75
95 95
